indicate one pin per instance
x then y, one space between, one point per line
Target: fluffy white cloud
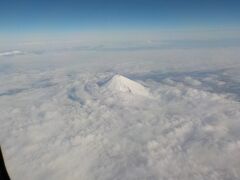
60 122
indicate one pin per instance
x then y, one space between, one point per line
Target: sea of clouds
57 123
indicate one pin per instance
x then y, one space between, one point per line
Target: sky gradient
81 15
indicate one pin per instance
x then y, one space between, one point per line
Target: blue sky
85 15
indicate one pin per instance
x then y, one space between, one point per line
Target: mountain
121 84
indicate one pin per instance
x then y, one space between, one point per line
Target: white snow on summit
122 84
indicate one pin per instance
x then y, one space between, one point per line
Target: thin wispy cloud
11 53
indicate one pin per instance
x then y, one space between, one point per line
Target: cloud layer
59 122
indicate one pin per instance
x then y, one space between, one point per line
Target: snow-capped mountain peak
119 83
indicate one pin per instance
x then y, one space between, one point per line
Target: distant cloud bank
11 53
